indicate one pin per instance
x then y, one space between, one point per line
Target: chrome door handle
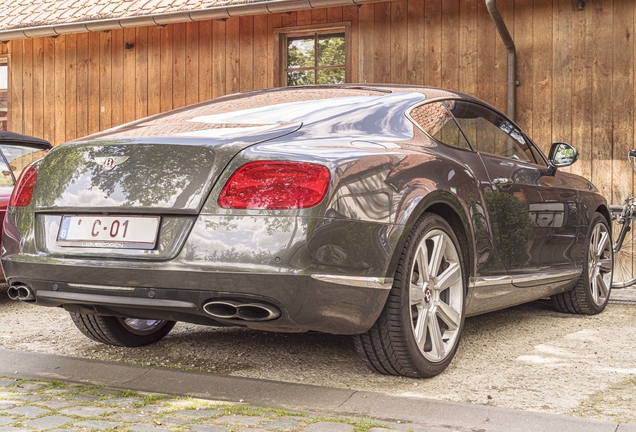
502 182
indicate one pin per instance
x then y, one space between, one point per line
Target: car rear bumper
327 303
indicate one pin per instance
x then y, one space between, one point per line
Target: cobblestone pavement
30 405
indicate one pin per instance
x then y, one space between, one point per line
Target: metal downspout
491 5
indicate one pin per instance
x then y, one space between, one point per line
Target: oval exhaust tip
220 309
257 312
12 292
25 293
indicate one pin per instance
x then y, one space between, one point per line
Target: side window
489 132
435 120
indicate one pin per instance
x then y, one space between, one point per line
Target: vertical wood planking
60 89
273 50
468 46
602 97
261 60
486 75
335 14
154 70
16 115
382 36
26 92
81 114
499 77
303 17
581 91
433 37
141 72
130 74
246 53
450 44
218 58
623 101
562 71
415 42
318 16
542 73
70 85
522 34
179 65
399 41
93 83
366 19
205 60
49 90
351 14
192 63
166 92
117 77
105 80
232 59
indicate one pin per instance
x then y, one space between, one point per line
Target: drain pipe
491 5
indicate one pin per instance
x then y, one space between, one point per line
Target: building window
313 55
4 94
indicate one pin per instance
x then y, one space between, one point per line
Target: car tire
405 340
592 291
125 332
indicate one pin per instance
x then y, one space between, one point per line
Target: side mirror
562 155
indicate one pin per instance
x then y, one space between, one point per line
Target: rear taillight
23 190
275 185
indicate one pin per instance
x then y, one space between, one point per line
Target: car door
535 213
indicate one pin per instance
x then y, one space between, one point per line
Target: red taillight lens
275 185
23 190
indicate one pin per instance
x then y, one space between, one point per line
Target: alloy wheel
600 264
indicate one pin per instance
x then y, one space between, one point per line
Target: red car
16 152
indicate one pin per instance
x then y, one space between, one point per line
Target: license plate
115 232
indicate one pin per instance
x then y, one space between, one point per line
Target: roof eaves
100 23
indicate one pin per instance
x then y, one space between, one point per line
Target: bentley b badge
110 162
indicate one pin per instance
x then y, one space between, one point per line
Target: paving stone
57 404
240 420
281 424
6 420
5 404
85 411
252 430
122 402
145 428
107 391
153 408
28 411
83 397
204 413
6 394
207 428
6 382
132 417
27 398
329 427
98 424
14 429
56 391
49 422
28 387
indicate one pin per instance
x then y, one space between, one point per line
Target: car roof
14 138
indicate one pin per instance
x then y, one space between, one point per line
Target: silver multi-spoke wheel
436 295
128 332
592 290
418 331
142 326
600 264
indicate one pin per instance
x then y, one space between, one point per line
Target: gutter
512 56
213 13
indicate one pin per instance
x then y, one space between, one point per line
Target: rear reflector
275 185
23 190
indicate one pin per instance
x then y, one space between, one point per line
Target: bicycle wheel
624 259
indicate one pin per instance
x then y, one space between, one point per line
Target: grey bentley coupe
389 213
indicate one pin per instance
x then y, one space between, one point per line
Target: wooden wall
575 69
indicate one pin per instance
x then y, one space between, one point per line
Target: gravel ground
528 357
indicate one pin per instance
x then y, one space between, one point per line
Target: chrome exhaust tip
12 292
231 309
25 293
